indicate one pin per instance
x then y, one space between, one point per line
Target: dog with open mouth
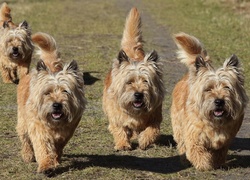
51 102
208 105
16 47
133 90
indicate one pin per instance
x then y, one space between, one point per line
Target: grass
222 31
90 32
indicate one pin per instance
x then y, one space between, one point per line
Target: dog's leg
23 68
219 157
148 136
44 149
13 75
176 119
199 156
5 75
152 131
59 149
121 136
27 150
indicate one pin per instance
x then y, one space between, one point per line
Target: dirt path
161 39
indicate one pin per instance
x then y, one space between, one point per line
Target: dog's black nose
138 95
15 49
57 106
219 102
16 81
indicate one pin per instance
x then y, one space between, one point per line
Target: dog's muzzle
15 52
138 102
219 108
57 113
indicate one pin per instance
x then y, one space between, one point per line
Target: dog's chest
216 138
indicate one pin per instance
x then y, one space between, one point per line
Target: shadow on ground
238 161
156 165
166 140
89 79
240 144
163 165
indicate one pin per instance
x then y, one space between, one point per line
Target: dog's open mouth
57 115
138 104
218 113
15 54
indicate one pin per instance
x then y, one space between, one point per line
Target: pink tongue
137 104
218 113
56 116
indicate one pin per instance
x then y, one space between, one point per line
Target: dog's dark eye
145 81
227 87
47 93
129 82
66 92
208 90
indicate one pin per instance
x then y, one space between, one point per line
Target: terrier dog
208 105
50 105
16 47
133 90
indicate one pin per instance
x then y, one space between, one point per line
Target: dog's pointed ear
122 56
73 66
200 63
232 61
24 24
153 56
233 64
5 24
41 66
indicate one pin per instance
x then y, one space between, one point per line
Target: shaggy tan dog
16 47
50 105
208 105
133 90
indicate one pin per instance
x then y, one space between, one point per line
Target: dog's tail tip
5 8
44 41
47 50
5 12
134 12
189 47
132 42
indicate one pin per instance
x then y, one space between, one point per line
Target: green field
90 31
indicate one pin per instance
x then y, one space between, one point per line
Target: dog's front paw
45 169
144 141
143 146
123 147
28 154
47 172
28 158
47 165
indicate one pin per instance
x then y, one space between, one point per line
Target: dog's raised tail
5 16
5 12
132 43
189 47
47 50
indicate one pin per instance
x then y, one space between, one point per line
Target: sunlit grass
90 32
